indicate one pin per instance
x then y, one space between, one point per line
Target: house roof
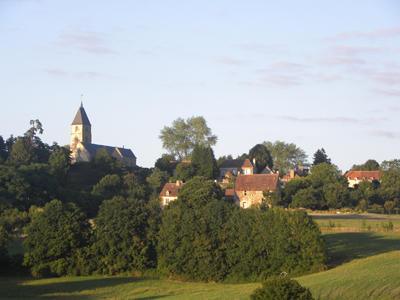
362 174
81 117
257 182
287 177
93 148
172 188
232 163
247 164
229 192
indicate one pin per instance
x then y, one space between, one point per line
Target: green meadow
363 265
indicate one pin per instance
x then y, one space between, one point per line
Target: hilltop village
88 208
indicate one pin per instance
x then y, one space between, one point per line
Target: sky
319 74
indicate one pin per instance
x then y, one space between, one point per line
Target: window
244 205
245 193
247 171
166 201
167 193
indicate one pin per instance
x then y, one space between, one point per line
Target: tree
391 165
325 172
262 156
55 236
369 165
293 186
310 198
204 162
108 187
286 156
281 288
181 138
121 242
164 162
389 205
185 171
60 162
157 180
336 194
22 153
321 157
273 198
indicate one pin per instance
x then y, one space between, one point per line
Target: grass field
364 265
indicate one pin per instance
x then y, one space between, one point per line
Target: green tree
336 194
263 157
293 186
121 241
54 237
164 163
324 172
321 157
157 180
281 288
273 198
391 165
369 165
310 198
3 151
204 162
105 164
185 171
181 138
286 156
108 187
389 205
60 162
22 153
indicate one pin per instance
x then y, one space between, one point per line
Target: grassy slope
375 277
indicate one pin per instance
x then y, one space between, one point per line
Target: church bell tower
81 129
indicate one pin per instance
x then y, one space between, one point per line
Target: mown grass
366 222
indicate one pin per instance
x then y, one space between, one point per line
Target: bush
281 288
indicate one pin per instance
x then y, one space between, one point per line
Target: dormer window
355 179
167 193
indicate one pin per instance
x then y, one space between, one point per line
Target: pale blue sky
312 73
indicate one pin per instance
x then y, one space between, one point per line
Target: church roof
93 148
81 117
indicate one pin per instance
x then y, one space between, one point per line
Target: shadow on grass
23 288
346 246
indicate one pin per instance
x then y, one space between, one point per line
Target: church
82 149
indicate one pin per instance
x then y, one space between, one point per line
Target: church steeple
81 129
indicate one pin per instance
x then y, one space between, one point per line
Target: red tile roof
363 174
258 182
247 164
229 192
172 188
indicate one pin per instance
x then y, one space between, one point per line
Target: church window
76 128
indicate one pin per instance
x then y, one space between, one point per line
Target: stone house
82 149
170 192
355 177
249 188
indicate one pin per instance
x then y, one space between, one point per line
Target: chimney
178 182
254 162
291 174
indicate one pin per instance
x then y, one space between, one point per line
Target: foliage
164 163
336 194
273 198
121 237
263 157
324 172
293 186
389 205
321 157
281 288
185 171
181 138
54 237
286 156
108 186
22 153
310 198
369 165
60 162
157 180
204 162
362 206
105 164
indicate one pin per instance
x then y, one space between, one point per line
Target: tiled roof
229 192
172 188
81 117
247 164
93 148
258 182
232 163
362 174
287 177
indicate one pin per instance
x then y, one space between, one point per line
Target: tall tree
286 156
263 157
164 162
204 162
321 157
182 136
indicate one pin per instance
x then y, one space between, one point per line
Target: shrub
281 288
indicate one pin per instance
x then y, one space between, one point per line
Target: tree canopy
204 162
369 165
321 157
286 156
263 157
181 138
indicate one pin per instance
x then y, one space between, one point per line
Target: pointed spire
81 101
81 117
